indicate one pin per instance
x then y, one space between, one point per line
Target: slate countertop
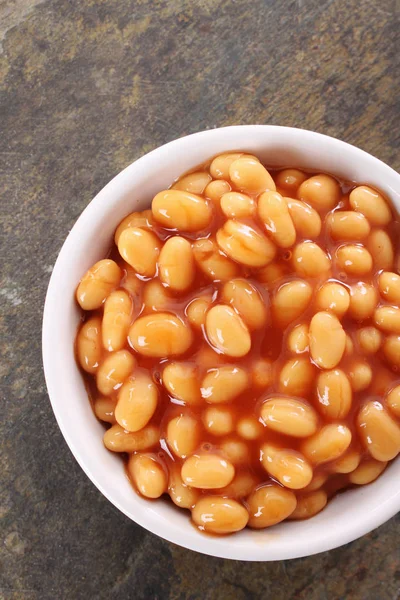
85 88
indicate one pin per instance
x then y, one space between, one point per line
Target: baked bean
389 287
207 471
159 335
249 428
327 340
88 345
236 205
131 282
348 225
270 504
155 296
117 439
224 384
212 262
147 475
370 203
227 332
218 420
215 190
381 249
235 450
360 375
334 297
143 219
384 379
309 505
378 431
97 283
176 264
194 183
393 401
391 350
296 377
140 249
219 515
244 244
208 358
241 486
181 494
104 409
116 320
387 318
274 213
317 482
290 179
363 300
271 273
309 260
114 370
306 220
219 167
367 472
289 416
246 300
196 311
290 301
369 339
334 394
182 382
288 467
261 373
327 444
348 462
349 348
249 175
176 209
137 402
183 435
298 340
321 191
354 260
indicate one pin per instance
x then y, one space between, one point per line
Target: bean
393 401
218 420
381 249
88 345
327 444
219 515
290 301
212 262
249 175
176 209
117 439
197 309
116 320
247 301
249 428
384 379
334 297
241 486
370 203
137 402
104 409
176 264
219 167
349 348
183 435
387 318
271 273
270 504
327 340
317 482
114 370
235 450
207 471
227 332
391 350
208 358
261 373
378 431
182 382
244 244
369 339
97 283
363 300
360 375
389 287
367 472
236 205
274 213
334 394
181 494
309 260
155 296
159 335
298 339
131 282
309 505
348 225
143 219
140 249
348 462
215 190
306 220
194 183
321 191
289 416
354 260
296 377
224 384
290 179
148 475
288 467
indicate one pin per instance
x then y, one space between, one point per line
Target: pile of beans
243 342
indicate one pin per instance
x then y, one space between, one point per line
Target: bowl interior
349 514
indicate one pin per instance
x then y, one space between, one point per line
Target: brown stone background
87 86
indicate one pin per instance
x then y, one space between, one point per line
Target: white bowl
350 514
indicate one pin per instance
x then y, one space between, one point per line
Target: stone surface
87 87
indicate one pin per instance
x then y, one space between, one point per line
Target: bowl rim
332 539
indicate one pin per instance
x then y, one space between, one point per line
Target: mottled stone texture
86 88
